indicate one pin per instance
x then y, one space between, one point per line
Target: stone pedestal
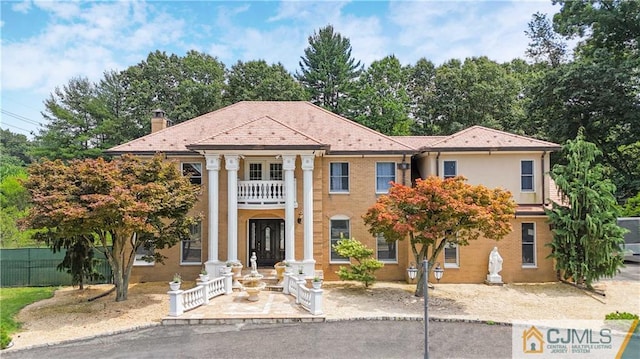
494 279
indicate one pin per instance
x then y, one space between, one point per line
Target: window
143 253
191 247
450 169
339 177
275 171
451 255
526 175
193 171
385 173
339 229
528 245
263 169
387 251
255 171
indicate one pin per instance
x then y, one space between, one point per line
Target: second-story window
450 169
275 171
339 177
385 173
526 175
193 170
255 171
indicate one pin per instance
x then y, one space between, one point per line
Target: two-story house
288 179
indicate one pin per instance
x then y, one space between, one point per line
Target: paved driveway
346 339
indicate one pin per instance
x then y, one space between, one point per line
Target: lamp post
412 271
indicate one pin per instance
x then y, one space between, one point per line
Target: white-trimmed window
528 244
450 169
339 228
451 255
141 254
526 175
339 177
387 251
191 248
385 173
262 169
193 170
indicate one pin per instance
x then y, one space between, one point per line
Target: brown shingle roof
299 122
481 138
418 141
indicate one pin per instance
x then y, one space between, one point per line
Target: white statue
495 262
254 263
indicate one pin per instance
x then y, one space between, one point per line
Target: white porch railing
181 301
309 298
262 193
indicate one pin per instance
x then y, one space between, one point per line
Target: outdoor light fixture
299 217
412 271
438 272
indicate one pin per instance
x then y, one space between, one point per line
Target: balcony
262 194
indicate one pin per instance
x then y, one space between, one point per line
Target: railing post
205 290
316 301
228 283
300 283
176 307
285 283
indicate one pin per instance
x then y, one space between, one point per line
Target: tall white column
289 166
232 164
307 170
213 170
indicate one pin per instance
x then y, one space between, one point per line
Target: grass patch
14 299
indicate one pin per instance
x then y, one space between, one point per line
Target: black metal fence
36 267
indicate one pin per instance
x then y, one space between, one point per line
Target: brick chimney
158 121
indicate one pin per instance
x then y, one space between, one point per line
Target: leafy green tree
327 70
546 45
113 206
257 81
382 101
14 202
587 240
14 148
421 91
476 92
435 212
365 266
70 131
184 87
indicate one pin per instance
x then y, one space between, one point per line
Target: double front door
266 238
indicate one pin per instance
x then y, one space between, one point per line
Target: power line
19 128
19 117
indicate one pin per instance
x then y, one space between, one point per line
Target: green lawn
14 299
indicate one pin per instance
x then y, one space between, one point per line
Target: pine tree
587 240
328 72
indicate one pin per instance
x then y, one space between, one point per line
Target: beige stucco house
286 179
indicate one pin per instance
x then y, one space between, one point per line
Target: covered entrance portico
273 239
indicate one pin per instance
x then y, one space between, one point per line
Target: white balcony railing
260 194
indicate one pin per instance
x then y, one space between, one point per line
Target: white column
307 170
232 164
288 166
213 170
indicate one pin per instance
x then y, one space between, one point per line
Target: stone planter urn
174 286
204 277
280 267
317 284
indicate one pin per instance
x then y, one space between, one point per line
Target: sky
44 44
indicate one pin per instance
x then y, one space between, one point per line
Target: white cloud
22 6
86 42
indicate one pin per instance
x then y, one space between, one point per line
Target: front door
266 238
